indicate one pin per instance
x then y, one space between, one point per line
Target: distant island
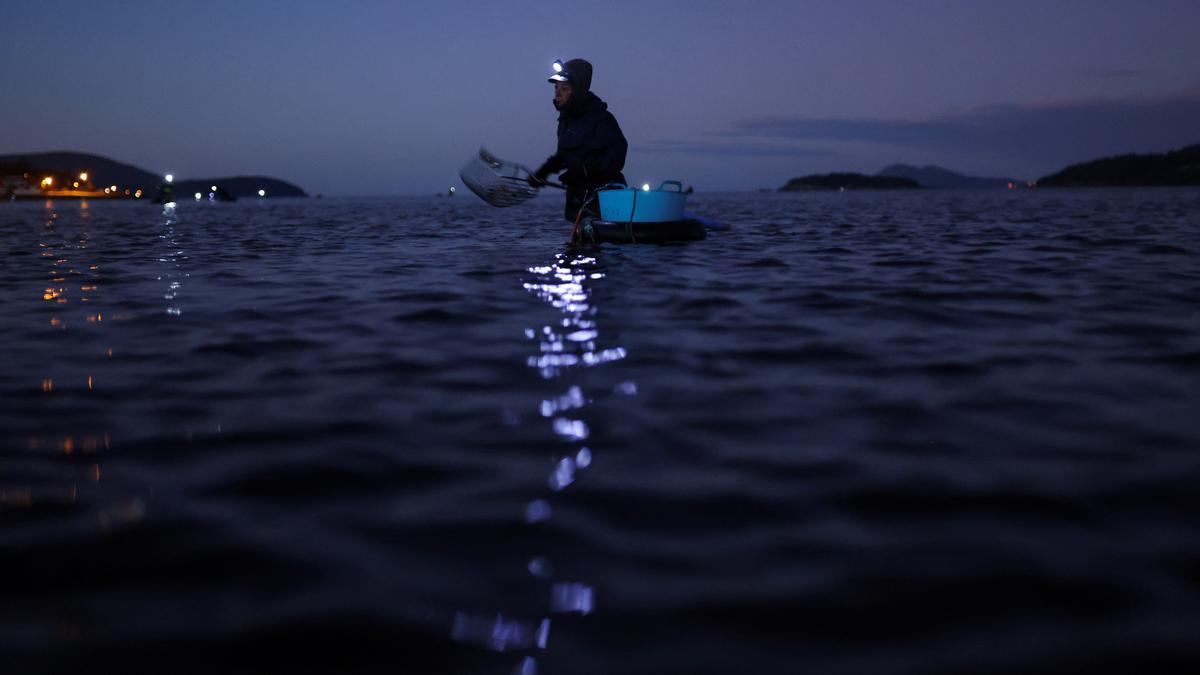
82 175
931 176
1179 167
1175 168
848 181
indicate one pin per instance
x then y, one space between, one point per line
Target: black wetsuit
591 150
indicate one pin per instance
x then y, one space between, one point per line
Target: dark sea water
856 433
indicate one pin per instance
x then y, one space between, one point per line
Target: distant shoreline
1177 168
68 194
848 181
76 175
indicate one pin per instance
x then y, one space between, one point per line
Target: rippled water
861 432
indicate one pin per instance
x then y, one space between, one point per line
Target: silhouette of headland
848 181
1178 167
65 174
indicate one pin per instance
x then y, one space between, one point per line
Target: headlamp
560 74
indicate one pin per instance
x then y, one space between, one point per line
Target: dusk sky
376 98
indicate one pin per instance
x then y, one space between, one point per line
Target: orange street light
83 176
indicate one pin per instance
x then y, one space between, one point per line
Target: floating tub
622 204
627 232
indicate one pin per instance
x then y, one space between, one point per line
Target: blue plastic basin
625 204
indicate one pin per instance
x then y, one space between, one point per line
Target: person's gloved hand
538 179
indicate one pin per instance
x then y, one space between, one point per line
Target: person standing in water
591 148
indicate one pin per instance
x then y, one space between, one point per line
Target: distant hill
104 171
1179 167
848 181
101 170
931 176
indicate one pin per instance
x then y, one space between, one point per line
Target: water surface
860 432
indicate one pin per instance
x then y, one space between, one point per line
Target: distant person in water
591 147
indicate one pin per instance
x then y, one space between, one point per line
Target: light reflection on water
563 345
173 260
72 289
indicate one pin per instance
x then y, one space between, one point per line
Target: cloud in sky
1025 139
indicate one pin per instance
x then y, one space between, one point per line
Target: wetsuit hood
577 73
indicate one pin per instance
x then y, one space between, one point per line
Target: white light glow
213 188
645 187
197 196
262 193
170 178
557 67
